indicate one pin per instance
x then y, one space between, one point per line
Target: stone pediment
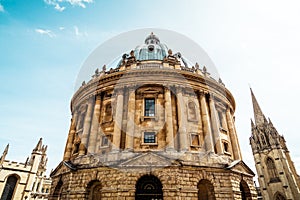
240 167
62 168
147 160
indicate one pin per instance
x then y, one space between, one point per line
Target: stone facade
277 174
153 127
27 180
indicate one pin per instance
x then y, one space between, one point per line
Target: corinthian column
95 125
208 140
86 127
130 120
71 136
118 120
215 125
233 137
181 121
169 120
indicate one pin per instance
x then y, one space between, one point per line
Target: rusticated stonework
152 128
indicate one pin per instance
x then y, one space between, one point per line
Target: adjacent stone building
25 181
276 172
152 127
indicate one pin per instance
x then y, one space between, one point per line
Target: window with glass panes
150 107
149 137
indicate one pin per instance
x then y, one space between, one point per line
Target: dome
111 52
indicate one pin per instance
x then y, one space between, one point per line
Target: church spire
259 117
4 154
38 146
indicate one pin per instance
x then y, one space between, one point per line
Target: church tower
276 172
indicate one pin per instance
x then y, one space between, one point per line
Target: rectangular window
104 141
195 140
225 147
149 137
150 107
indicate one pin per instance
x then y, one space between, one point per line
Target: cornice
174 77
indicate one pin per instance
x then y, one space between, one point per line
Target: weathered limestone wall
178 182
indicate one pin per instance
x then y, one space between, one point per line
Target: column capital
119 91
179 88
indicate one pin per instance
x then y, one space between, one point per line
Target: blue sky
44 43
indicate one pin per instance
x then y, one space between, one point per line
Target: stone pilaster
71 136
130 120
95 125
169 120
208 140
182 121
215 125
118 120
86 127
233 137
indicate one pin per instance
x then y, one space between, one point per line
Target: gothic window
192 114
9 188
33 186
149 137
206 190
37 187
94 190
263 139
272 170
149 107
148 187
279 196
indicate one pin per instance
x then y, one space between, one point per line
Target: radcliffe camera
150 117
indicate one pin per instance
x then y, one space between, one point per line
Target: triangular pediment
240 167
147 160
62 167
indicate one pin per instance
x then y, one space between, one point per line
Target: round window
150 47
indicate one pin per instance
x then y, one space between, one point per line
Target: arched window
279 196
94 190
9 188
272 170
192 114
57 190
245 191
206 190
148 187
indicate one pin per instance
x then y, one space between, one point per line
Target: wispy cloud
60 5
59 8
80 3
45 32
1 8
78 33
